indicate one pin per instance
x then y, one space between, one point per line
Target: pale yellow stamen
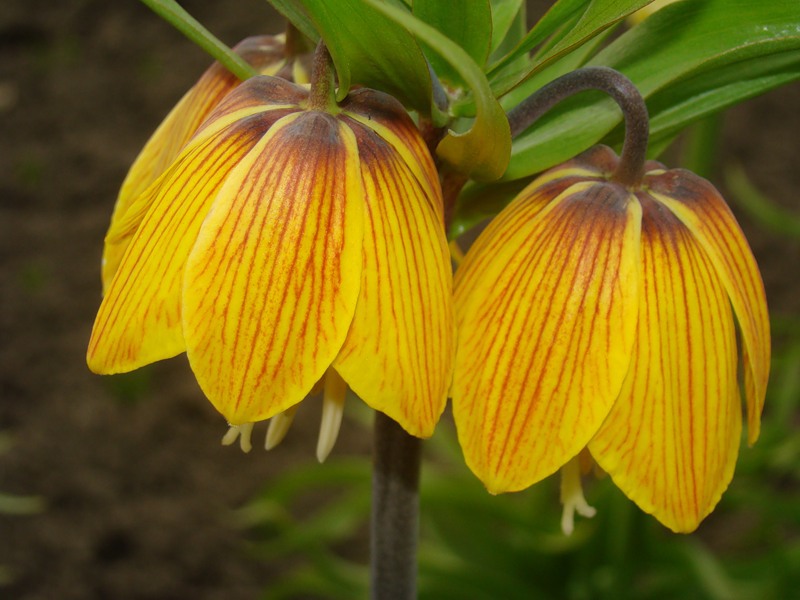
279 426
242 432
332 410
572 496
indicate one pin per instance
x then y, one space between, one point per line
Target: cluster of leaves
463 63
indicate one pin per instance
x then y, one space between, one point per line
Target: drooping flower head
285 243
597 316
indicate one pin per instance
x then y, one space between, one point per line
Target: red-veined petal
271 284
398 355
670 443
387 117
545 332
703 211
593 164
265 53
139 319
189 119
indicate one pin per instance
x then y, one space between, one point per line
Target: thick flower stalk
612 310
267 54
290 246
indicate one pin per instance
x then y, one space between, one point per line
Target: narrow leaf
293 11
373 50
466 22
482 152
595 17
692 53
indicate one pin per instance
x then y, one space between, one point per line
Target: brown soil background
138 493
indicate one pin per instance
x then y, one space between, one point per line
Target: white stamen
572 497
246 429
279 426
230 435
243 432
332 411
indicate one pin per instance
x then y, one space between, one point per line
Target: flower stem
322 95
630 169
395 510
176 16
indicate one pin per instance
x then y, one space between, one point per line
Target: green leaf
760 208
689 59
505 14
482 152
466 22
370 49
718 87
175 15
587 20
574 59
295 13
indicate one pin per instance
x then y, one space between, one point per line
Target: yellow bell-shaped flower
591 315
285 242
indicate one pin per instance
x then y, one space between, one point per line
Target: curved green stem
176 16
630 169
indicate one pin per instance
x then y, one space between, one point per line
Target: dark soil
138 490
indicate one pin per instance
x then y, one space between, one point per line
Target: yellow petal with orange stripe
387 117
271 284
265 53
398 355
670 443
560 296
139 320
703 211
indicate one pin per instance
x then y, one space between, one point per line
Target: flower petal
262 52
387 117
258 94
703 211
671 440
139 319
271 284
398 356
545 332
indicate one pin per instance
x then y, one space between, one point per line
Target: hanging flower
289 247
267 54
595 316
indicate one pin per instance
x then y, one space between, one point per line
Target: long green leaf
554 18
671 53
371 49
504 16
481 152
175 15
466 22
295 13
594 17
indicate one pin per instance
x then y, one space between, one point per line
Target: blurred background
117 487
